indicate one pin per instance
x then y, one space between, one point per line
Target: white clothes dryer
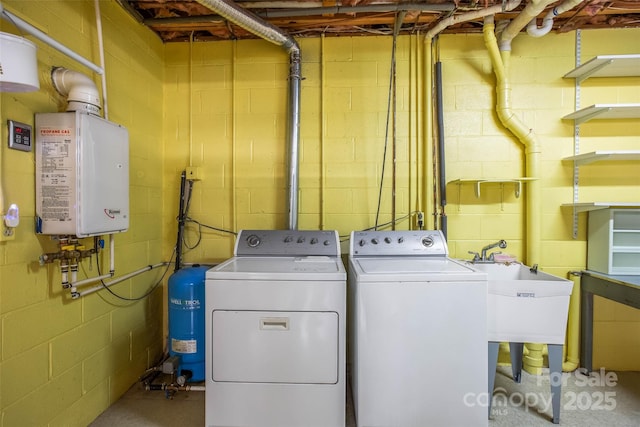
275 332
418 332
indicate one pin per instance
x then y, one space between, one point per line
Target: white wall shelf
602 155
607 66
599 66
594 206
605 111
517 182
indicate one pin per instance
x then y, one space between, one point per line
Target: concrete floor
612 399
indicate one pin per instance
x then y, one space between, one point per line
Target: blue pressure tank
186 321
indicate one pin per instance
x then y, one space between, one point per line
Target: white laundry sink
524 304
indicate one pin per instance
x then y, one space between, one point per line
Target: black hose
181 220
441 156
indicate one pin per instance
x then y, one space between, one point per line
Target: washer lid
413 269
281 268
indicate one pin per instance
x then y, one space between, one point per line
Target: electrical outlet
420 219
194 173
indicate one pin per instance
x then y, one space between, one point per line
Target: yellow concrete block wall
221 107
478 147
234 121
616 326
64 361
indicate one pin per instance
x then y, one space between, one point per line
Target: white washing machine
418 332
275 332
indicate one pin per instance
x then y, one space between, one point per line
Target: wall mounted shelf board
607 66
601 155
478 182
605 111
593 206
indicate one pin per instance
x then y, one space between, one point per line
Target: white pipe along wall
547 22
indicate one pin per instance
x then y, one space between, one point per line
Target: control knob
253 241
427 241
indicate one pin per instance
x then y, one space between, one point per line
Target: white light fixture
18 64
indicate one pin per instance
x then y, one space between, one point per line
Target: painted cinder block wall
63 362
221 107
478 147
235 134
230 120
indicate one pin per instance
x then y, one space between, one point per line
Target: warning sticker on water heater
56 174
184 346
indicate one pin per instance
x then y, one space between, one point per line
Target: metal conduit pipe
76 294
266 31
295 77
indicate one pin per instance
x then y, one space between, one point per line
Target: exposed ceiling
177 21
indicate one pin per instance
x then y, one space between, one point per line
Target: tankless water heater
82 175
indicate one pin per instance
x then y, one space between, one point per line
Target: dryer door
295 347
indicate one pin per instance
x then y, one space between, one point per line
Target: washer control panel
287 242
404 242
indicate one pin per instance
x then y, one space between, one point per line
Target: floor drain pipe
263 29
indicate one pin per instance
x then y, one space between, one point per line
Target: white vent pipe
547 22
530 11
266 31
80 90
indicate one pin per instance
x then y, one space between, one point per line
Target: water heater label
184 346
56 174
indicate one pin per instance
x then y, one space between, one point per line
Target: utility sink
524 304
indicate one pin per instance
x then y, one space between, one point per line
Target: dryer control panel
398 243
287 243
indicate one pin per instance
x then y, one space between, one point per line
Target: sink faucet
483 258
